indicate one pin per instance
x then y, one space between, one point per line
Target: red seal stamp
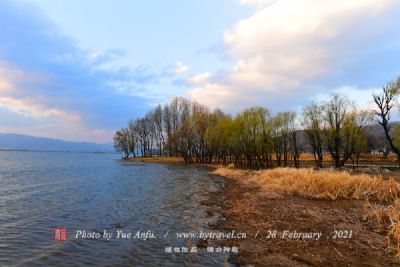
60 234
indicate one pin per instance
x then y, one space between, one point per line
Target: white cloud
361 97
212 93
44 120
36 110
287 45
50 122
10 76
200 78
180 67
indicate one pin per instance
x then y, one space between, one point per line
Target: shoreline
173 160
305 163
166 160
246 205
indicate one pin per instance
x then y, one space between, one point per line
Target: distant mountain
25 142
376 139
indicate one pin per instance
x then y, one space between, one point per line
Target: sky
79 70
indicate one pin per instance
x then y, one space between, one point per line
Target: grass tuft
321 184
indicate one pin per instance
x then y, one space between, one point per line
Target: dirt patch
246 207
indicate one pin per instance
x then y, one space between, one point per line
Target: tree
385 101
360 146
334 113
252 136
188 129
293 139
312 121
219 137
355 139
342 127
167 129
200 118
132 137
285 139
174 115
280 137
158 126
121 142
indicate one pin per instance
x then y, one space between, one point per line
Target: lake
40 191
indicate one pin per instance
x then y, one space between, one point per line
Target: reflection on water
40 191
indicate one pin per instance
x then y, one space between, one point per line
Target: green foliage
253 137
396 135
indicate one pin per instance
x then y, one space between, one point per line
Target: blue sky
78 70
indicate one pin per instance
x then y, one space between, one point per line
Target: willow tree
285 139
312 121
343 125
355 139
185 139
281 137
254 135
293 139
200 118
219 137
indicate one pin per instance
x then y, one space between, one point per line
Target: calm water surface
43 190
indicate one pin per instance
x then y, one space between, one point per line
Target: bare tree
121 142
167 129
158 123
385 101
132 137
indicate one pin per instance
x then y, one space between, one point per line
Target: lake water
40 191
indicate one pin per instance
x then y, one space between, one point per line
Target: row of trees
254 137
157 133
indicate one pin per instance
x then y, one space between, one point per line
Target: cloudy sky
78 70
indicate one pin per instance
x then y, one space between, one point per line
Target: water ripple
40 191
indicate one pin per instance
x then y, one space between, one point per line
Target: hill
26 142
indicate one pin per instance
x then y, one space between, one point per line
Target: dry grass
389 218
394 232
321 184
332 185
